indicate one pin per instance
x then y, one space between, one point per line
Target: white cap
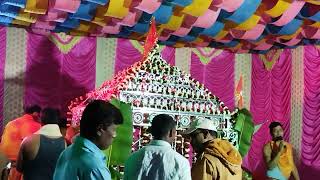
201 123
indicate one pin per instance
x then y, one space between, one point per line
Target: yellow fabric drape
36 6
197 7
117 9
174 23
279 8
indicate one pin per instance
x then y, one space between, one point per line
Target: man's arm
97 174
6 140
186 170
20 158
271 163
295 173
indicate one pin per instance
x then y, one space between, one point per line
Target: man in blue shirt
84 160
158 161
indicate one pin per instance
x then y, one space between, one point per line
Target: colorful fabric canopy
254 26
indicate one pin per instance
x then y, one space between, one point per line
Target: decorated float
152 86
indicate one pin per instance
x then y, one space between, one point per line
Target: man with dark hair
84 160
278 155
63 125
15 131
158 161
39 152
216 158
32 110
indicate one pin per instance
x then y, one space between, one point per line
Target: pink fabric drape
169 54
310 145
270 101
127 54
217 76
3 35
52 78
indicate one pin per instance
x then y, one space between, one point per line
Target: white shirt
157 161
50 130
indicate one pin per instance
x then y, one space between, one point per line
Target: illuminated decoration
154 87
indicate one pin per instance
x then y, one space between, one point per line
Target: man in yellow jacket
216 158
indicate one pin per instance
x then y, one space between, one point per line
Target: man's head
34 111
99 122
163 127
276 130
50 116
201 131
63 125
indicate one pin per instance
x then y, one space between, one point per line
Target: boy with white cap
216 158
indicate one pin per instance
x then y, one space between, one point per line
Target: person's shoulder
11 124
78 156
34 138
22 118
134 155
179 157
90 160
67 154
266 148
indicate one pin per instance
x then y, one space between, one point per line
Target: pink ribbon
230 5
70 6
263 46
44 25
131 19
149 6
54 15
111 29
40 31
182 31
208 18
164 38
290 13
251 34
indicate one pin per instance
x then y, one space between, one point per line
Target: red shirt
14 132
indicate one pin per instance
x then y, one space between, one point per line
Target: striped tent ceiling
253 26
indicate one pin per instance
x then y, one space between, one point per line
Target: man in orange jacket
13 134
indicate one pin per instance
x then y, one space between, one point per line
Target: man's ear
100 128
171 133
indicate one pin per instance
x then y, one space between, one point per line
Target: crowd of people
39 147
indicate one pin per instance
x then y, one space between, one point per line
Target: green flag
245 127
120 149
